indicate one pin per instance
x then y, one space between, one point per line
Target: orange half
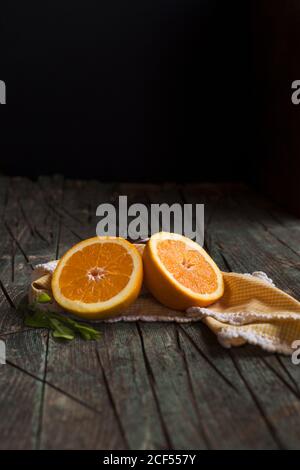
179 273
98 277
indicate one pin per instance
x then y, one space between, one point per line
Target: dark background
151 90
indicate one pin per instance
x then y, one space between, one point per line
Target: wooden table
142 386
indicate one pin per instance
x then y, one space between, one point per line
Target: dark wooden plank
110 380
26 350
292 371
172 388
78 211
26 218
77 409
127 376
36 200
20 391
282 224
6 247
278 404
25 212
18 233
274 253
30 225
203 390
10 318
68 424
246 246
233 420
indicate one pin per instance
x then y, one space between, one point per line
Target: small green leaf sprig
62 327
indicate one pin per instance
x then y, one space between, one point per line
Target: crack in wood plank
40 235
7 333
54 387
26 219
285 369
41 409
280 377
151 378
7 296
276 237
13 237
282 242
63 223
279 358
267 229
72 216
58 240
271 428
61 212
248 214
192 390
13 253
209 361
59 226
226 263
112 401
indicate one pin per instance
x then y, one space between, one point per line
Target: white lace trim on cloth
150 318
262 276
239 318
268 343
45 268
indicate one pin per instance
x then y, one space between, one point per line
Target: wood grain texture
142 386
238 232
21 389
26 217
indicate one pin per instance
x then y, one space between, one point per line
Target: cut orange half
179 273
98 277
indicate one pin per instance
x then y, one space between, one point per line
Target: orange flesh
187 266
96 273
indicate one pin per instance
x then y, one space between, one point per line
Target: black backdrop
136 89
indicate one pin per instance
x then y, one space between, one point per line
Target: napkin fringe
150 318
268 343
240 318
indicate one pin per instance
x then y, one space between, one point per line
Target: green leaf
43 298
61 325
36 319
60 330
86 331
